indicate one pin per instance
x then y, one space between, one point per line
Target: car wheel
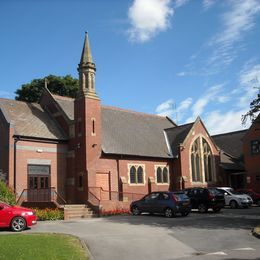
186 213
169 213
216 210
18 224
202 208
136 211
233 204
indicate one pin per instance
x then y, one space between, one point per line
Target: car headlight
29 213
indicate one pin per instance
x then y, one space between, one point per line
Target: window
255 147
136 174
162 175
93 120
201 161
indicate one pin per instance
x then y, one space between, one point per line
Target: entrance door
39 184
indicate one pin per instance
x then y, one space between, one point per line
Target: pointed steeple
87 71
86 56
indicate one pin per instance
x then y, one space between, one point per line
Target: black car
205 198
167 203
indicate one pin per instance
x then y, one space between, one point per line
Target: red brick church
78 151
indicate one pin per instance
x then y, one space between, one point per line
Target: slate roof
30 119
231 143
66 104
176 136
131 133
229 163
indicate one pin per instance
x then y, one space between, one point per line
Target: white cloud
201 103
149 17
236 22
208 4
218 122
181 74
169 109
179 3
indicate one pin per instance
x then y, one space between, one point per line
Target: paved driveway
201 236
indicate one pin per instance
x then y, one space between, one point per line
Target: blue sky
180 58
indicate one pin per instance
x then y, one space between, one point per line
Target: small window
255 147
93 120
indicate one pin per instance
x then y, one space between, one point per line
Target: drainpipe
16 139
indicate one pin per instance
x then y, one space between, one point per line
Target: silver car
235 199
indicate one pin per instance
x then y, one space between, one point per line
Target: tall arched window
159 175
207 157
165 175
136 174
132 175
140 174
196 161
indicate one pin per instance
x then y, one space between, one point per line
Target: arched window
140 175
136 174
159 175
132 175
165 175
196 161
207 157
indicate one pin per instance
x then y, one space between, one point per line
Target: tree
6 194
63 86
254 109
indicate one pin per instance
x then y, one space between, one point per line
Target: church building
77 151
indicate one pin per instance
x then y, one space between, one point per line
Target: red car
254 195
16 218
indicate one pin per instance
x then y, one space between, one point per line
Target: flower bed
114 212
49 214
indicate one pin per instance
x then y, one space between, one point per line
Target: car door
149 203
5 215
163 202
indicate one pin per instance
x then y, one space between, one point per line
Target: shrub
49 214
6 194
114 212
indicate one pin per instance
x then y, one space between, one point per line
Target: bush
6 194
114 212
49 214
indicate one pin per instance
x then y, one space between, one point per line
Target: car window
181 196
164 196
215 192
152 196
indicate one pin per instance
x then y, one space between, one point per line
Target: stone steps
75 211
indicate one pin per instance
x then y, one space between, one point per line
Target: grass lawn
41 246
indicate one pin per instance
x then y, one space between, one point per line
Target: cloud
201 103
169 109
219 122
179 3
148 18
208 4
236 22
181 74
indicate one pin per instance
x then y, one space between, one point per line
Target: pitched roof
177 135
131 133
66 104
231 143
30 119
229 163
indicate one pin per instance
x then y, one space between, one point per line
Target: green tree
63 86
254 109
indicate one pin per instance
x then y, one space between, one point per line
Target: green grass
41 246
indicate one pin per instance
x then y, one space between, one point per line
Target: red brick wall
252 161
55 153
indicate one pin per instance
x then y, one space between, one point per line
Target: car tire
216 210
169 213
18 224
136 211
233 204
202 208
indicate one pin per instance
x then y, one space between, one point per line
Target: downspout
16 139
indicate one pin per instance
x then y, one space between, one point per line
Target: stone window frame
162 168
213 163
136 165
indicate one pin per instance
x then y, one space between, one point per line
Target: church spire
87 71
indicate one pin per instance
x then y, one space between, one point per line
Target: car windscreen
215 191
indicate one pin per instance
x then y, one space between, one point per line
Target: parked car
205 198
254 195
16 218
235 199
163 202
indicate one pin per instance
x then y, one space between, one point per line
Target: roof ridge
233 132
178 126
133 112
